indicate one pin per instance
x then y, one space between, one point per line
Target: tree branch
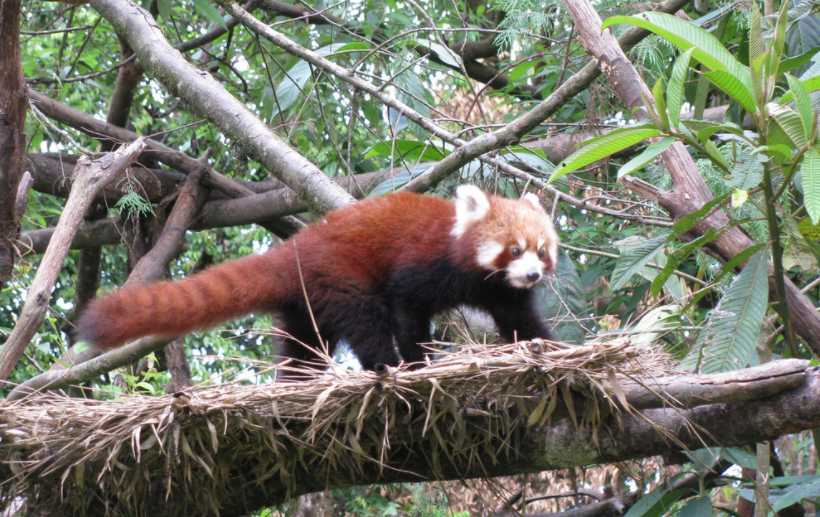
241 418
210 98
91 177
99 129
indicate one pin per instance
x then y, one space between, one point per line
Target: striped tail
172 308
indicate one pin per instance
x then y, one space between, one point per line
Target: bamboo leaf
675 91
635 255
603 146
810 177
728 340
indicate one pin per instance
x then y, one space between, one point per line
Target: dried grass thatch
228 449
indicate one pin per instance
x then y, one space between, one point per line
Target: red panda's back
367 240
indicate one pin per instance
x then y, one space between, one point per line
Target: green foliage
728 340
603 146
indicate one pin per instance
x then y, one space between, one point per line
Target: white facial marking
519 270
471 206
487 253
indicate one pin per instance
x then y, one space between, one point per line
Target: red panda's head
513 237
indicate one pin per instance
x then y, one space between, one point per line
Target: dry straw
227 449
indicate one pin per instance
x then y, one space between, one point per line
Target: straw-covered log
480 412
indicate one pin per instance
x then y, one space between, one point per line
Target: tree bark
526 448
12 141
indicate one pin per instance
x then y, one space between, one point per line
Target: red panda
372 274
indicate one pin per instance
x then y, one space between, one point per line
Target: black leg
301 344
517 319
410 330
365 324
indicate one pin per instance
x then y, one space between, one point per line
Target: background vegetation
737 85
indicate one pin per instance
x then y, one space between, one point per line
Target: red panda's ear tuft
533 200
471 205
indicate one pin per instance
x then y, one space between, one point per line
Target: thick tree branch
240 425
689 191
91 177
100 129
210 98
259 208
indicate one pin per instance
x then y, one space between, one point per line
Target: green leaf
635 255
675 91
715 154
646 156
778 43
685 35
802 102
747 172
164 8
411 150
705 129
445 54
655 503
790 122
756 45
657 93
734 88
688 221
728 340
810 180
603 146
697 507
563 301
740 457
679 256
811 85
209 12
797 61
535 158
797 493
289 89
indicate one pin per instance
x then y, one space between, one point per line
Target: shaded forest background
425 95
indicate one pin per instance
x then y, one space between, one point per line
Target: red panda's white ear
471 205
532 199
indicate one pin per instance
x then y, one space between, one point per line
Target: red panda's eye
515 251
541 253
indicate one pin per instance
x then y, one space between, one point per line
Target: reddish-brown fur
371 273
356 244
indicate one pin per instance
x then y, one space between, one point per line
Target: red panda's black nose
534 276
